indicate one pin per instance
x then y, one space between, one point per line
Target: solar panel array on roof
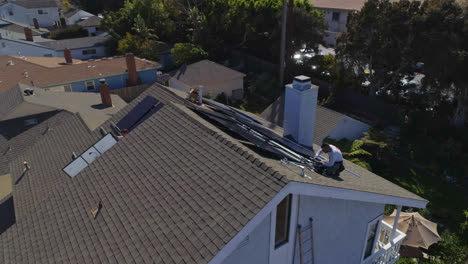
140 113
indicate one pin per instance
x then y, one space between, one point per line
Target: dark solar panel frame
142 108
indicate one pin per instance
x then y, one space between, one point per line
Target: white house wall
26 16
78 53
76 17
11 47
334 27
339 227
254 249
349 128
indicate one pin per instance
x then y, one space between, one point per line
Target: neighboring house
74 16
92 25
328 122
178 189
23 104
13 30
336 14
215 79
81 48
77 76
45 12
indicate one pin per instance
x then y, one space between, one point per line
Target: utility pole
283 41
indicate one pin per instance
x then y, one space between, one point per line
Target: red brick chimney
105 93
28 34
132 72
36 24
68 56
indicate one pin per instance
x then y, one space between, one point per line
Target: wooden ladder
306 243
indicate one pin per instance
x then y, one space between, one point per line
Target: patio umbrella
420 232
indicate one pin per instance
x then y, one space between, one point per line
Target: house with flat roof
215 79
38 13
59 74
188 183
329 123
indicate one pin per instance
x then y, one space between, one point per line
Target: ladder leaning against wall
305 240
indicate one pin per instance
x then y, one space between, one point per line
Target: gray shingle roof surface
15 137
93 21
35 3
173 191
9 100
75 43
325 119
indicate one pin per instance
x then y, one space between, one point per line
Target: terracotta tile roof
45 76
175 190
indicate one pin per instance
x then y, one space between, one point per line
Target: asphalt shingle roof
172 191
175 190
34 3
93 21
325 119
10 100
75 43
16 137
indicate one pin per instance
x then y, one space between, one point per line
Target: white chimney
300 104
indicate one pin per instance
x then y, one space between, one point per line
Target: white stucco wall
22 15
334 27
174 83
339 227
78 53
24 49
255 248
349 128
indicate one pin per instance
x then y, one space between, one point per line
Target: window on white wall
3 45
11 13
371 236
336 16
42 12
283 217
89 85
89 51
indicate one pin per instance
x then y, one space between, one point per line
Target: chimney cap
302 78
102 81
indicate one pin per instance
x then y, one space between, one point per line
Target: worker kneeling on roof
335 160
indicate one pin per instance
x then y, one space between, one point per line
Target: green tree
186 53
379 42
66 6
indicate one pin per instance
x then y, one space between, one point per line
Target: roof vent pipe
299 110
200 94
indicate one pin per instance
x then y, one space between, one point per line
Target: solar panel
128 121
75 167
143 118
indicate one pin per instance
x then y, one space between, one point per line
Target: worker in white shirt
335 160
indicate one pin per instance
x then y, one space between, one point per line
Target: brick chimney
132 72
28 34
36 24
105 93
68 56
300 104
